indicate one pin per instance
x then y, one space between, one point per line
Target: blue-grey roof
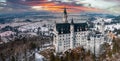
64 28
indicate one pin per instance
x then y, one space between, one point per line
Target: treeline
77 54
111 53
20 48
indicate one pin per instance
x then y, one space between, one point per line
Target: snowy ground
38 57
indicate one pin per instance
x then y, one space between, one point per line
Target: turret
65 16
55 38
38 30
54 26
72 34
103 26
72 26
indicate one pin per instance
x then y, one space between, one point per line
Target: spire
55 22
65 16
102 20
72 25
72 21
54 25
65 12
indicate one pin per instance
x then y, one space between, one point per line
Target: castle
71 35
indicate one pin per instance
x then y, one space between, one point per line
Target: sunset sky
110 6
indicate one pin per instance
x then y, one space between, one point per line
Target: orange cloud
58 7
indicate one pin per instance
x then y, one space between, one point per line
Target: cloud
71 5
9 6
101 4
115 9
58 7
2 0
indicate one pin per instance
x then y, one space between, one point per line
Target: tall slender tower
103 26
72 34
55 38
65 16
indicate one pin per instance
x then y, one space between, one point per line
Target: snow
32 33
44 29
7 33
108 20
112 27
33 26
38 57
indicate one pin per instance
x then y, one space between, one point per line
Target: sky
102 6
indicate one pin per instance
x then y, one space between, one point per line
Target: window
68 35
60 43
60 36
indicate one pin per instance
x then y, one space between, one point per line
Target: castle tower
54 26
38 30
103 26
72 34
55 38
65 16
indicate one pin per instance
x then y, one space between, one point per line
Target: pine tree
52 57
13 58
